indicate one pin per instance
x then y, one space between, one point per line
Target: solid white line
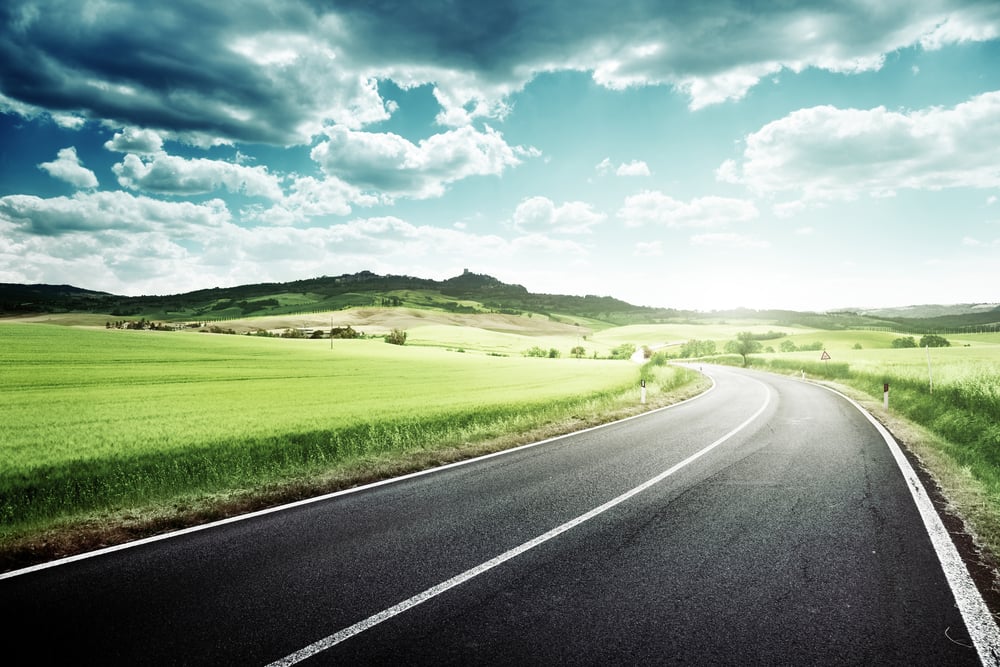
978 619
457 580
334 494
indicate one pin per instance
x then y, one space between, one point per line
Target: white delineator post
642 384
885 395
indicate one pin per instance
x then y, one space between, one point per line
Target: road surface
766 522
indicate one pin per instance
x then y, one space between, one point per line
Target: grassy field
98 421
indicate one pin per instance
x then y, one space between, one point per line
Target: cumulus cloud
135 140
97 211
826 153
633 168
172 175
540 214
395 166
130 244
279 73
67 167
310 198
654 207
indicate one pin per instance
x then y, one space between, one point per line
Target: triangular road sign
825 356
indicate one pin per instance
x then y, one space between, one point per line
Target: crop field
94 419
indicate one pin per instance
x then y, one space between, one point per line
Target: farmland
96 422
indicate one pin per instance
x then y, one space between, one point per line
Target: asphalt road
764 523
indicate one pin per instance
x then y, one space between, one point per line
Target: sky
696 155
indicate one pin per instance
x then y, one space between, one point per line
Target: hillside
468 293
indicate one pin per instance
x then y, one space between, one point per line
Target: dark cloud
278 72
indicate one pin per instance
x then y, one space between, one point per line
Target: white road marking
434 591
978 619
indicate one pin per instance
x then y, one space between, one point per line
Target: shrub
396 337
623 351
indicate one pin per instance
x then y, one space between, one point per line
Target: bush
396 337
623 351
346 333
904 342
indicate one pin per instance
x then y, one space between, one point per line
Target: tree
578 352
744 345
933 340
904 342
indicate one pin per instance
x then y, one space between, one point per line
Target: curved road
765 522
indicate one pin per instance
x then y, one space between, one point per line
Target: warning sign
825 356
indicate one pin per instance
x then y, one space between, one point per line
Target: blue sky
704 155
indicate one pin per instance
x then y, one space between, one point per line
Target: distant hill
466 293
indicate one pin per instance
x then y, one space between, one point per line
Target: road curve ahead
764 523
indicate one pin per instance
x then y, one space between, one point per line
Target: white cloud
542 215
135 140
654 207
67 167
168 174
633 168
103 211
392 165
824 153
129 244
310 198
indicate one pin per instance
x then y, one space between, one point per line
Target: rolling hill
469 293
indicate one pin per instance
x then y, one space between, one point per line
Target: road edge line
978 620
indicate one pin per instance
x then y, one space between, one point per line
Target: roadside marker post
642 384
885 395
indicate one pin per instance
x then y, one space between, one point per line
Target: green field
96 420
